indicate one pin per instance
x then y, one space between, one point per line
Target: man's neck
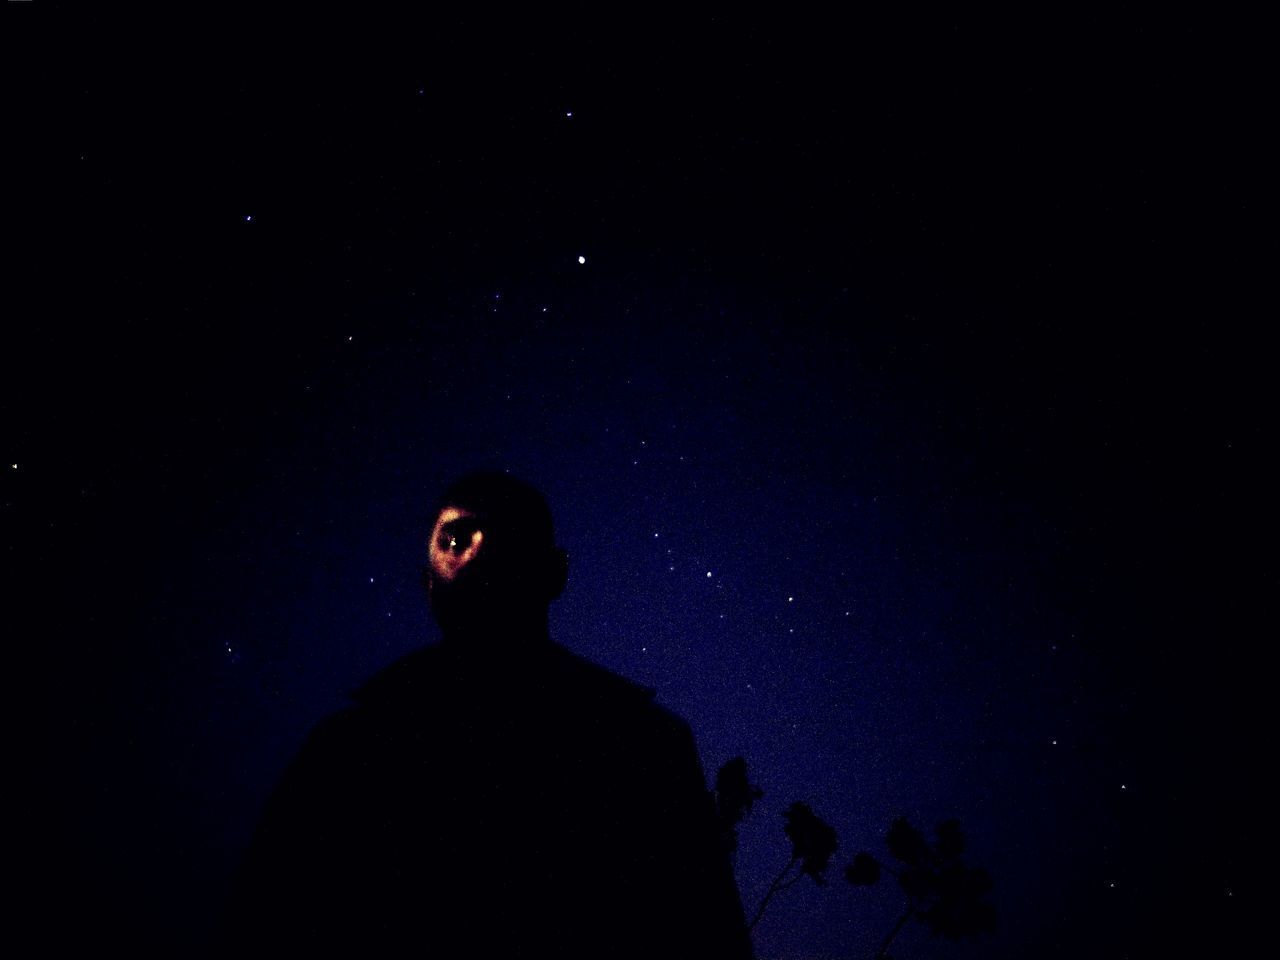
501 634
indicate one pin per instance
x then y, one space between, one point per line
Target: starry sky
892 387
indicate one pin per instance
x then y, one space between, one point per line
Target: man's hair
509 504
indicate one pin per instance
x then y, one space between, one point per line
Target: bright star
582 259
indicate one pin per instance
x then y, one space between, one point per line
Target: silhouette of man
493 794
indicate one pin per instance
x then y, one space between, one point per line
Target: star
708 573
568 114
248 218
581 259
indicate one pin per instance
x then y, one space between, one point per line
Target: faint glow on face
455 542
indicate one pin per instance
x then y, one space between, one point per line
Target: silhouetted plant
944 894
813 842
735 796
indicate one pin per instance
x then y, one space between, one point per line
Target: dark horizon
895 393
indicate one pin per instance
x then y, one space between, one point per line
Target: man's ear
558 574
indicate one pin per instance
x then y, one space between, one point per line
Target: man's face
458 557
487 576
479 579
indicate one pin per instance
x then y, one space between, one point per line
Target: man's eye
457 541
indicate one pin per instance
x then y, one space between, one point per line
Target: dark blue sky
884 425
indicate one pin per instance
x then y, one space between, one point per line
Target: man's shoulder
600 680
614 693
403 677
430 668
552 672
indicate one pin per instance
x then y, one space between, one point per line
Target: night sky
893 386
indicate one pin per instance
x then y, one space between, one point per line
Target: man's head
492 562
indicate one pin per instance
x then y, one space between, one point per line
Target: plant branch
792 881
897 928
773 888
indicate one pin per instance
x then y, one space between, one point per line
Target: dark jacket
462 806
